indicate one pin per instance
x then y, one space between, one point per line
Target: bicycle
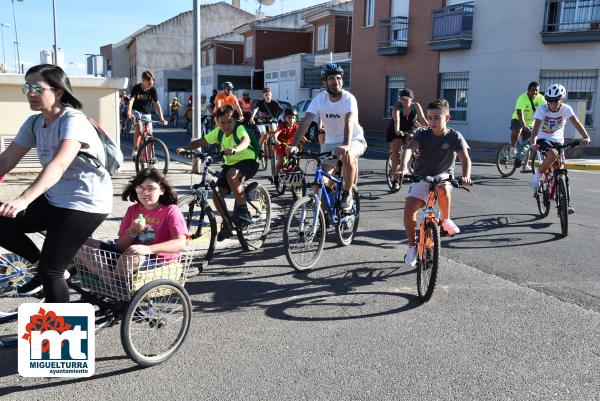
267 156
174 118
507 162
291 175
389 174
152 152
308 220
554 184
429 219
200 217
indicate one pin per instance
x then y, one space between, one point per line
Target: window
394 84
267 75
322 37
572 15
248 46
292 73
454 88
203 58
211 56
370 13
283 74
275 75
581 88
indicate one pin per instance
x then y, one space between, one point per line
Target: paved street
515 314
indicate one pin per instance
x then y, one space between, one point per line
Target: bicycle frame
430 212
551 175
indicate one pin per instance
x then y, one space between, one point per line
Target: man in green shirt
522 118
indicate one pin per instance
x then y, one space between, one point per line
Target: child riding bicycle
437 148
551 118
241 162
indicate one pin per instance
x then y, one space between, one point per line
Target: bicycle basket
119 276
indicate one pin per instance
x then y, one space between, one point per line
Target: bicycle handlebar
456 183
314 155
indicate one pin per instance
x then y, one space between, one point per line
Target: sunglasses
35 89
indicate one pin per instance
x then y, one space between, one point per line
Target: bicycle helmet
290 111
175 98
331 69
227 85
555 92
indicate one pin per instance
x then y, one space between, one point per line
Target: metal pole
16 39
55 54
2 26
196 78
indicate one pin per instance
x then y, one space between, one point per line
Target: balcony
571 21
452 27
393 36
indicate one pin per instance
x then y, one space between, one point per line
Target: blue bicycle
508 162
311 216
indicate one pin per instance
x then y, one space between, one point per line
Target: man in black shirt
143 96
268 111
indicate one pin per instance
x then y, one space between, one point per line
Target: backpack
254 145
112 153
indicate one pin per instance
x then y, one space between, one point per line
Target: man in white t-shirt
338 111
549 127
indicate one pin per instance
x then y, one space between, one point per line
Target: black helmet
331 69
290 111
227 85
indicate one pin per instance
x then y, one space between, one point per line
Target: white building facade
513 43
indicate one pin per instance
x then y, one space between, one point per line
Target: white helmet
555 92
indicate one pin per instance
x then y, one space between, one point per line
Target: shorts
420 190
515 125
359 146
150 262
546 144
280 150
248 169
390 133
138 116
263 128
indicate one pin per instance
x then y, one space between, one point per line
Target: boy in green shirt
241 161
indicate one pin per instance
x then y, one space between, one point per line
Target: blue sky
85 25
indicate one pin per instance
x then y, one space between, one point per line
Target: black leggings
66 231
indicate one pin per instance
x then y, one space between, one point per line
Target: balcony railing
452 27
393 36
568 21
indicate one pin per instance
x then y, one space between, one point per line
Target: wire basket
119 276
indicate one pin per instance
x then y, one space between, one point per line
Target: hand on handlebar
466 181
230 151
290 150
180 151
585 141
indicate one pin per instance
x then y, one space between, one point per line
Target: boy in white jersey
551 118
338 111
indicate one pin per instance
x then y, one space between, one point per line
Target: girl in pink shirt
153 229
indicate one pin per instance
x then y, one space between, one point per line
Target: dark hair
532 84
266 89
147 75
439 104
56 78
228 111
168 198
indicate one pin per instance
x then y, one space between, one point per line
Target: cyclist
338 110
267 110
406 116
522 119
551 119
227 98
246 105
174 107
70 197
241 162
283 138
437 147
142 97
205 112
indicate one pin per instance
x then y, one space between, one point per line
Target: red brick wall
342 41
223 54
270 44
419 65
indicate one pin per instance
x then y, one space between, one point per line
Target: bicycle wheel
427 265
264 157
505 161
562 203
298 190
303 248
253 236
542 198
345 229
389 174
152 153
202 225
156 323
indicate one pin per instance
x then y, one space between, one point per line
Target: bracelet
130 234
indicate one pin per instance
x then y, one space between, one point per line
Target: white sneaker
134 154
411 257
535 180
347 201
526 168
450 227
513 151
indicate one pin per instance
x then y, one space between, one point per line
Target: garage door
286 91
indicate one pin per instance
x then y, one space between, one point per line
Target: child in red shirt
284 137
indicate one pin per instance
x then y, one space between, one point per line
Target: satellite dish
265 2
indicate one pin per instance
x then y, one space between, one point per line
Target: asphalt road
515 314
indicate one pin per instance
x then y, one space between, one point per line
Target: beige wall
100 98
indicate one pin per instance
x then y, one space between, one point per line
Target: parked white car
302 106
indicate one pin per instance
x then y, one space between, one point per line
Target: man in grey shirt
437 148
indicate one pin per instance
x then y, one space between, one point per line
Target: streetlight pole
55 55
2 26
16 38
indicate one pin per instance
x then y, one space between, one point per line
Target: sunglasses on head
35 89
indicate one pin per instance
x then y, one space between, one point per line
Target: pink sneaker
450 227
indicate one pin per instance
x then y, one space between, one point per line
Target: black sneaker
570 210
223 234
395 185
518 163
242 214
32 287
